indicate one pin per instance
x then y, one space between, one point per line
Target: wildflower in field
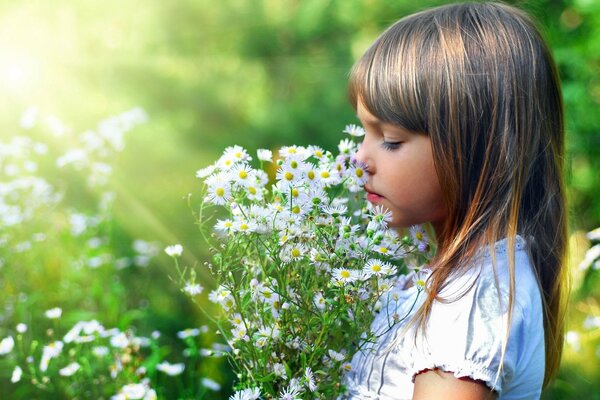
310 379
6 345
354 130
174 250
69 369
210 384
319 301
419 237
100 351
193 289
120 340
246 394
343 276
264 155
219 190
205 172
292 392
50 351
187 333
135 391
379 268
279 370
53 313
171 369
16 374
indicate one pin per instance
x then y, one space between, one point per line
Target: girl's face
402 172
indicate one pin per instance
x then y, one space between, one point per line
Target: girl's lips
372 196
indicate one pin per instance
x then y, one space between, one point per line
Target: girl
464 129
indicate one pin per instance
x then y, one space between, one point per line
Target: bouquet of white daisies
301 261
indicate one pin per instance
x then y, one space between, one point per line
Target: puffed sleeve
466 335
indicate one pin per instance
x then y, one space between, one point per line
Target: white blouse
464 336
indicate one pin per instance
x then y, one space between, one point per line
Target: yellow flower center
319 153
243 174
252 190
376 267
325 174
296 210
383 250
220 192
294 164
419 236
289 176
295 192
295 252
345 274
244 227
359 172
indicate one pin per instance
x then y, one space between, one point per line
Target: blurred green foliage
258 73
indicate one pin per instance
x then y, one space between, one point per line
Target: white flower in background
187 333
100 351
336 356
310 379
174 250
292 391
279 370
119 340
53 313
246 394
50 351
69 369
193 289
319 301
354 130
205 172
6 345
171 369
210 384
573 339
264 155
135 391
21 328
16 374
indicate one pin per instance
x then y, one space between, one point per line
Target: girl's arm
437 384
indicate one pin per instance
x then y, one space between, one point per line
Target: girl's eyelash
390 145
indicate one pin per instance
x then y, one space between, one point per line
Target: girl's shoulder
466 330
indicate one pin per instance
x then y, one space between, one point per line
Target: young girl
464 129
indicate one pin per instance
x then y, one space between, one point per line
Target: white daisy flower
246 394
210 384
317 152
319 301
174 250
279 370
346 147
171 369
419 237
264 155
187 333
69 369
237 154
21 328
205 172
193 289
343 276
16 374
354 130
218 191
295 152
6 345
224 225
53 313
379 268
50 351
242 174
310 379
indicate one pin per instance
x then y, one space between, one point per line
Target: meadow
107 112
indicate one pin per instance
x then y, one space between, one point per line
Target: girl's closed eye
391 146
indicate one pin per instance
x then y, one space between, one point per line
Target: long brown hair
478 79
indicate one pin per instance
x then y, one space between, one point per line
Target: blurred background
197 76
